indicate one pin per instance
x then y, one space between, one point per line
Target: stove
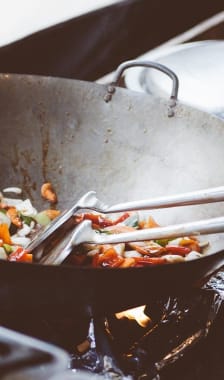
180 333
168 338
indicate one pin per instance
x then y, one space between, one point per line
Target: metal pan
63 131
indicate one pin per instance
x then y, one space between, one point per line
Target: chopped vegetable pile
19 220
134 254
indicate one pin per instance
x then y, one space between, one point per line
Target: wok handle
128 64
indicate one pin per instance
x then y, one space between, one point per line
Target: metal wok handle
126 65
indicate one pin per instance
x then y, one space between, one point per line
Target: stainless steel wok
63 131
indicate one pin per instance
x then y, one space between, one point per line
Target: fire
136 314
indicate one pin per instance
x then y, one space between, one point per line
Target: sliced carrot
27 257
186 241
128 262
4 233
149 223
105 247
117 262
109 254
110 259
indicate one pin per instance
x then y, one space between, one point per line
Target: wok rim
152 267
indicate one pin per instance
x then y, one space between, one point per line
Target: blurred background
88 39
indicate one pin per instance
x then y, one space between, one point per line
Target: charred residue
45 142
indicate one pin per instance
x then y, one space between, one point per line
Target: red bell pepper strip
21 255
144 261
177 250
121 218
100 221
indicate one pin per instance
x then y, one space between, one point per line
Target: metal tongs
63 226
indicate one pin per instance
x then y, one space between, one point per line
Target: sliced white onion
193 255
93 252
119 248
20 240
203 244
173 258
24 231
175 241
32 224
139 243
3 255
15 190
132 254
26 208
12 201
132 220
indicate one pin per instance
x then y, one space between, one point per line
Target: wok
128 148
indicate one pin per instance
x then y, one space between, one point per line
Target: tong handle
85 234
89 201
211 195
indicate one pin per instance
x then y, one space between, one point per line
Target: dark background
89 46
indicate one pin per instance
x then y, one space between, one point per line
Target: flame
136 314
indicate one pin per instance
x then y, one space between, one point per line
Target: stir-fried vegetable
19 220
135 254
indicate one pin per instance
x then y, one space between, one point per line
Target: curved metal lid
200 69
